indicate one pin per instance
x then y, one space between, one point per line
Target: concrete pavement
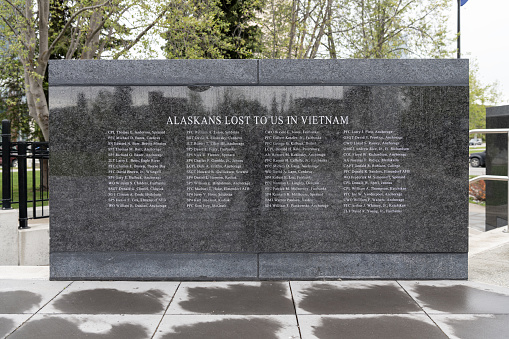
265 310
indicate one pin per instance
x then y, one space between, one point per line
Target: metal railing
495 177
20 153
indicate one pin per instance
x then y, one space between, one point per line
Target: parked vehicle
478 159
475 141
14 161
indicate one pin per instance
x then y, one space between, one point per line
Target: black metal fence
24 176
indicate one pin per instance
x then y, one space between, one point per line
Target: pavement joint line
295 308
166 310
418 304
40 308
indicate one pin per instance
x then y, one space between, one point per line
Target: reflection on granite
258 210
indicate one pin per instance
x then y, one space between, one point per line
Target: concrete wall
28 247
9 237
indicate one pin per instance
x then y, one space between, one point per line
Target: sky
485 38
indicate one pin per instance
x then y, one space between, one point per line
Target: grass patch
475 150
30 186
477 202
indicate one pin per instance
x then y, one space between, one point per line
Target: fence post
22 183
6 164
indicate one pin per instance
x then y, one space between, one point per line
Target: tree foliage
392 28
86 29
480 97
297 29
13 105
355 28
191 30
215 29
242 35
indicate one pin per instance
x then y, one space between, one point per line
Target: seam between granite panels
259 84
258 72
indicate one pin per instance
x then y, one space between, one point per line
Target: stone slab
153 266
228 327
352 297
384 326
496 164
25 296
88 326
106 297
363 266
10 322
152 72
473 326
142 151
364 72
265 209
439 297
222 298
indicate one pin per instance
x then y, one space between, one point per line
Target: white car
475 142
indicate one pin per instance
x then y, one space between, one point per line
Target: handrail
495 177
489 130
489 177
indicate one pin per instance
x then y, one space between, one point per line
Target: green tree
13 105
242 35
480 97
355 29
86 29
215 29
392 28
191 30
296 29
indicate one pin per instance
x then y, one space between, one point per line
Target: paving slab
9 322
458 297
24 272
113 297
249 298
490 267
352 297
382 326
88 326
474 326
487 241
27 296
228 327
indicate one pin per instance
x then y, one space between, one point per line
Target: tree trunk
37 104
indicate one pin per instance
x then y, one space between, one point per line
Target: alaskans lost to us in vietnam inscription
257 177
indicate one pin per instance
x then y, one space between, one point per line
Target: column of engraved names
214 168
135 169
374 177
291 163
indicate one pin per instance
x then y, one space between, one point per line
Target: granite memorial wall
259 169
496 164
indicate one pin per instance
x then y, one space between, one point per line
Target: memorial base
252 266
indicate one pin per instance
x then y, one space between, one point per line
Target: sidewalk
33 307
265 310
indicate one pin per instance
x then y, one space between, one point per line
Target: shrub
477 190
